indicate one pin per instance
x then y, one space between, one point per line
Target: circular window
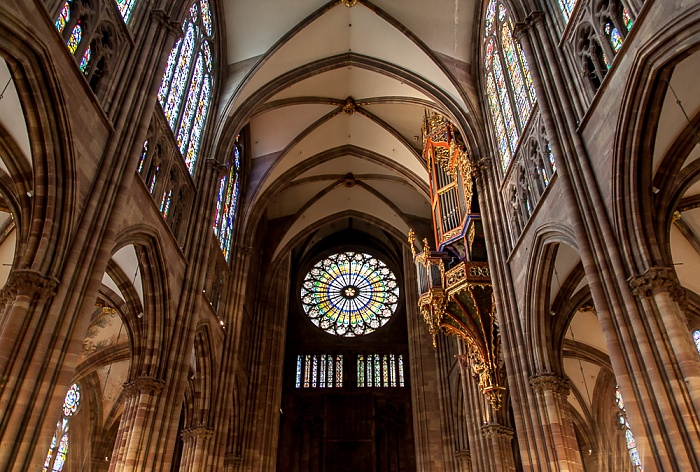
350 294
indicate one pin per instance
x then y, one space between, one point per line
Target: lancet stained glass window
75 37
63 17
58 450
350 294
696 339
227 201
625 426
125 7
319 371
185 90
567 6
510 92
380 370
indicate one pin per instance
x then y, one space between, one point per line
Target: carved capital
232 460
144 386
550 381
496 431
196 433
163 20
217 168
656 280
463 455
30 283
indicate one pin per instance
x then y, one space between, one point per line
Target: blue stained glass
401 377
194 12
63 17
490 16
72 401
168 74
61 454
165 204
75 37
206 50
497 116
504 99
171 107
85 61
188 111
349 294
199 120
206 17
614 36
226 206
522 100
125 7
566 7
144 153
696 339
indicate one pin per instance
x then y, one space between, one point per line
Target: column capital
217 167
162 19
28 282
197 432
522 27
656 280
144 385
550 381
496 431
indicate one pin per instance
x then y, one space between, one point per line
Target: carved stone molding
162 19
521 28
217 167
550 381
29 283
656 280
197 432
496 431
144 386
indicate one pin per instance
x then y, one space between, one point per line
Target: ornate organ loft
454 281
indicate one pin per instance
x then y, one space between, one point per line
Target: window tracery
125 8
625 427
349 294
319 371
58 450
380 370
227 201
509 88
185 91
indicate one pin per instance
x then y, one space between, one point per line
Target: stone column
464 460
194 440
130 451
498 440
551 392
232 462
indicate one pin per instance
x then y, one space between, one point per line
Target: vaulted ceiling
335 98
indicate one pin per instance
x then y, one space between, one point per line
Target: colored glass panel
165 203
504 99
85 61
401 377
360 370
125 7
500 129
307 371
152 185
627 19
75 37
614 36
566 7
61 454
350 294
72 401
298 379
199 119
63 17
226 206
168 74
183 135
206 16
522 100
339 371
171 107
490 16
144 153
629 437
314 371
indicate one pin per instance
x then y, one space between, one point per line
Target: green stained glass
349 294
63 17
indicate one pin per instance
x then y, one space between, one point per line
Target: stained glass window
566 7
63 17
165 204
55 462
75 37
319 371
614 36
510 92
185 90
227 201
349 294
696 339
625 426
380 370
627 19
125 7
85 61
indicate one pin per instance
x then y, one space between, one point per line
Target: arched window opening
185 91
227 201
125 8
75 37
509 88
58 450
625 427
380 370
319 371
696 339
63 18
